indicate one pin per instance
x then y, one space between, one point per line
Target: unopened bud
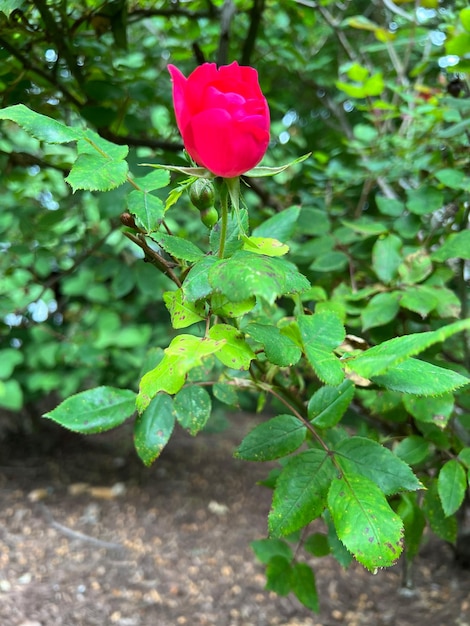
201 194
209 217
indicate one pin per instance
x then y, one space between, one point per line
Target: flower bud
201 194
209 217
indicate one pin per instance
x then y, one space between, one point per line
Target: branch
129 140
256 14
226 15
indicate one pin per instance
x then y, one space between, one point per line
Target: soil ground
89 537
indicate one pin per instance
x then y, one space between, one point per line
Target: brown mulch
89 537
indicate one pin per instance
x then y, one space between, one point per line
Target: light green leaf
11 395
333 261
279 349
182 312
265 245
424 199
390 353
94 410
95 172
192 406
261 171
221 305
184 353
147 209
451 486
328 405
321 334
300 492
415 267
365 457
420 378
153 428
456 246
154 180
386 257
235 353
273 439
9 359
40 126
420 299
364 521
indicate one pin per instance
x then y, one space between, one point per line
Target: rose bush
222 116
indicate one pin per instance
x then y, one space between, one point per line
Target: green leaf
303 586
330 262
266 549
389 206
196 284
236 227
95 172
261 171
414 523
364 521
278 575
224 392
155 180
235 353
246 274
328 405
321 334
420 299
192 406
415 267
40 126
381 310
179 248
147 209
444 526
455 179
420 378
378 359
184 353
366 226
9 359
358 455
182 312
317 545
273 439
432 410
300 492
153 428
451 486
94 410
464 456
264 245
456 246
11 395
280 226
386 257
279 349
424 200
221 305
413 450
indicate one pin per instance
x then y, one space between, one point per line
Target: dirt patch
90 537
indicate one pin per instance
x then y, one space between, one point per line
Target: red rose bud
222 116
201 194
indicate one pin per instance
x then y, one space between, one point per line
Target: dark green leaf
266 549
94 410
358 455
364 521
280 226
279 575
179 248
328 405
413 450
444 526
386 257
300 492
414 523
192 406
196 284
279 349
451 486
303 586
273 439
153 428
381 310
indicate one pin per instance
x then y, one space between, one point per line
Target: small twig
75 534
226 15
